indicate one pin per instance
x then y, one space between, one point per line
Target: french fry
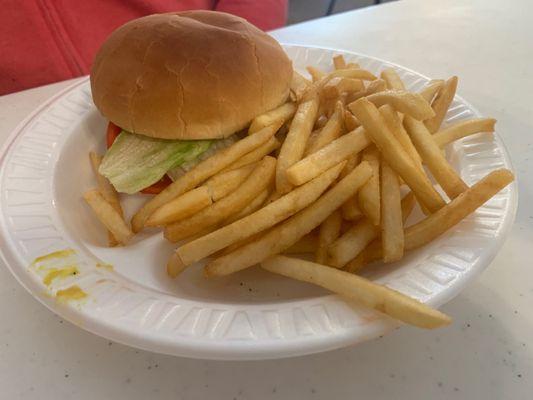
369 194
329 231
290 231
315 73
255 155
259 221
338 150
293 147
375 86
201 172
335 87
321 122
339 62
256 182
225 182
359 290
462 129
351 243
352 73
306 244
431 89
108 216
107 191
441 103
350 122
436 224
331 131
392 79
281 114
181 207
299 86
175 266
405 102
444 174
255 205
350 209
391 215
353 65
395 155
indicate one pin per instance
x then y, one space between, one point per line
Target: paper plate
55 248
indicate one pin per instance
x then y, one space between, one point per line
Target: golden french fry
331 131
338 150
463 129
293 147
392 79
360 290
431 89
256 182
377 86
259 221
335 87
436 224
329 231
339 62
351 243
225 182
441 104
255 155
391 215
106 190
368 196
350 122
395 155
353 65
306 244
321 122
352 73
174 266
203 171
315 73
108 216
281 114
299 86
444 174
290 231
254 205
403 101
181 207
350 209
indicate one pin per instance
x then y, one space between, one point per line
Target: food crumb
455 389
439 384
66 375
519 375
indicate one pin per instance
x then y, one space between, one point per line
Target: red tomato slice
112 132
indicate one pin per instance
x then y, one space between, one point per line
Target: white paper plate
251 315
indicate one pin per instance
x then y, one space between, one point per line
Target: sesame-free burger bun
188 75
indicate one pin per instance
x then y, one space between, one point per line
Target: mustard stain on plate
73 292
109 267
59 273
54 255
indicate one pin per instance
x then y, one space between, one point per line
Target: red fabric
44 41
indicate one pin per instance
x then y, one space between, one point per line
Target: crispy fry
315 73
330 155
392 79
107 191
441 104
339 62
436 224
463 129
360 290
290 231
281 114
256 182
350 209
329 231
352 73
377 86
405 102
306 244
225 182
369 194
391 215
108 216
331 131
255 155
181 207
299 86
335 87
351 243
260 220
431 89
174 266
293 147
394 154
321 122
350 122
201 172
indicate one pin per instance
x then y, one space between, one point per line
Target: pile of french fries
324 174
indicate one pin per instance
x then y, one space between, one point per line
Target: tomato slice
112 132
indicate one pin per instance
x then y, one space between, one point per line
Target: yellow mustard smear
55 273
56 254
109 267
73 292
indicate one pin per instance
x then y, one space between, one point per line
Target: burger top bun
188 75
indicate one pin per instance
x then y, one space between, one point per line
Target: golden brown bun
188 75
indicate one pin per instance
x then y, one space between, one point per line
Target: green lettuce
135 162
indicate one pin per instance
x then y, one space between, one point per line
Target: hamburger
177 87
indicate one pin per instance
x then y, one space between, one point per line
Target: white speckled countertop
486 354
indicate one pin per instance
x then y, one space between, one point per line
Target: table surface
488 351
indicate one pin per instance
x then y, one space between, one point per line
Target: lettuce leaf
135 162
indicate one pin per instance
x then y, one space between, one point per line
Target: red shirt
44 41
